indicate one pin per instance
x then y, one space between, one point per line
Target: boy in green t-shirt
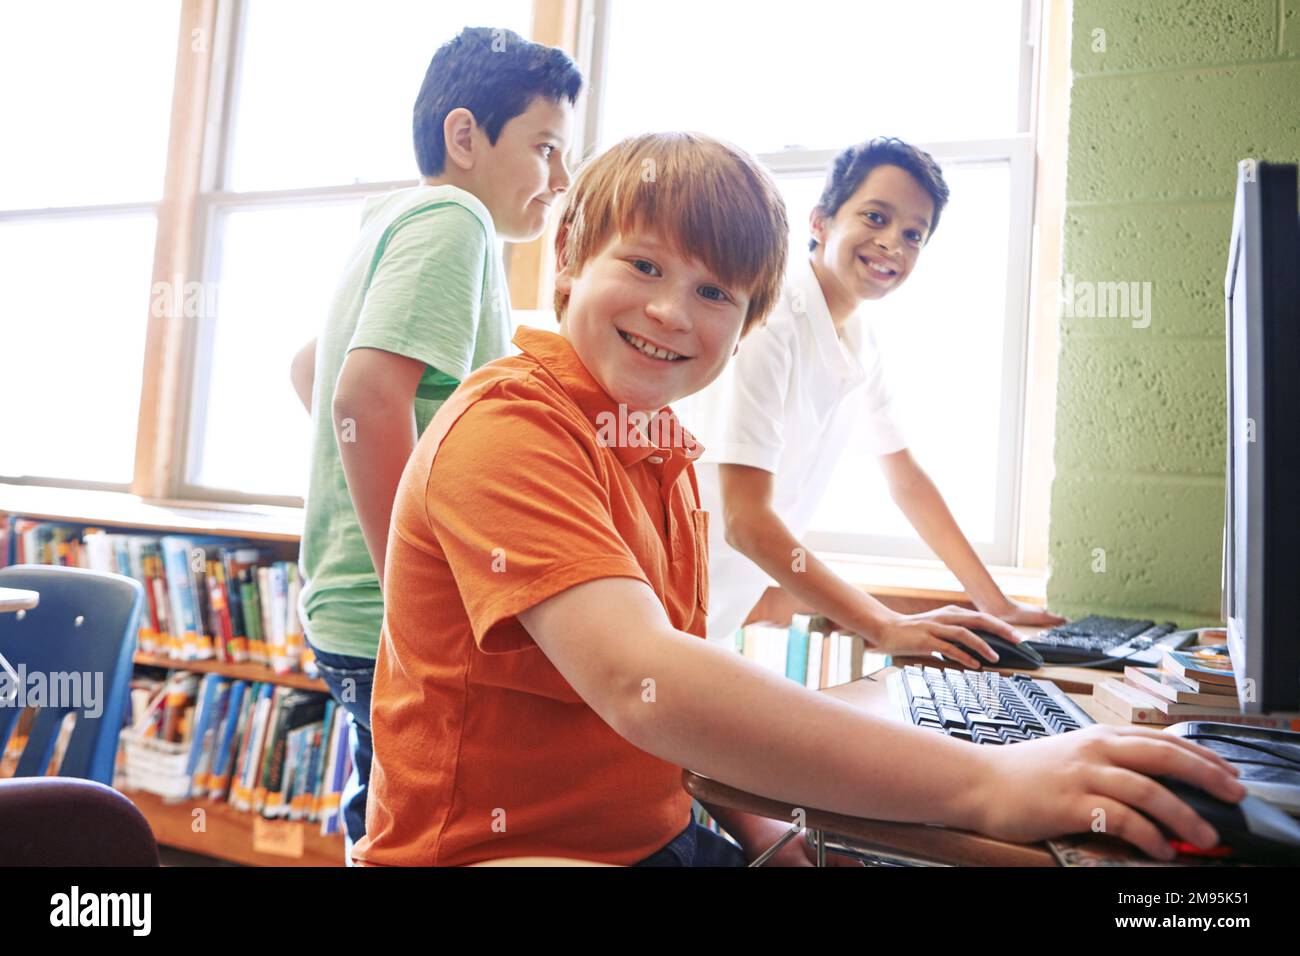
422 302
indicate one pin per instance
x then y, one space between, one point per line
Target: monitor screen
1261 573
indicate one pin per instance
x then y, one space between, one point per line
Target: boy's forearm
373 469
764 538
718 714
924 507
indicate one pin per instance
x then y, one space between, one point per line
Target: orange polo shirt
482 749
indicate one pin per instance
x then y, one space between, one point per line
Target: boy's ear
817 223
458 137
562 247
563 274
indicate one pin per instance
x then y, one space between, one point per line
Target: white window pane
822 74
942 336
87 100
277 276
74 306
327 89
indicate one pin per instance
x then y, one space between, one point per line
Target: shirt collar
632 436
837 354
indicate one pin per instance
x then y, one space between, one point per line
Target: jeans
350 680
696 846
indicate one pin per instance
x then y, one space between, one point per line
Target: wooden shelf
119 510
230 834
248 672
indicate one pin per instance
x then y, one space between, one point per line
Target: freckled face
649 324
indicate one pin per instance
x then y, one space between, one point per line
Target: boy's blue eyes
547 149
720 296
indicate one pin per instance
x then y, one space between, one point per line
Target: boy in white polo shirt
788 406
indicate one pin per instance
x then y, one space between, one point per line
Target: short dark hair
852 166
495 74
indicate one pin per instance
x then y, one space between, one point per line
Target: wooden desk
908 841
14 599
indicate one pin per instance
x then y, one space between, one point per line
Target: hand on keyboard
947 630
1092 779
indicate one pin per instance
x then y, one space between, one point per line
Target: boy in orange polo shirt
541 679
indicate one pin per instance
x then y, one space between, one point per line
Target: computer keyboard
983 706
1110 643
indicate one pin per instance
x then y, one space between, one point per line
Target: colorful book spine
796 662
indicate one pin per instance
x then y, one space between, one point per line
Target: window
317 115
954 78
308 112
85 119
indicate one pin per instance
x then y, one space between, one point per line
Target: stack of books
809 651
206 598
1196 683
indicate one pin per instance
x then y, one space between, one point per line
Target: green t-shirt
425 281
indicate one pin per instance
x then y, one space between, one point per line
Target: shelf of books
232 748
809 651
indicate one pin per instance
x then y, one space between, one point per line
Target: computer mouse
1020 656
1251 830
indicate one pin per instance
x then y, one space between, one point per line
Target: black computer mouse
1251 831
1020 656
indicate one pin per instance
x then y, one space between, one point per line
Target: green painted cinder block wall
1166 96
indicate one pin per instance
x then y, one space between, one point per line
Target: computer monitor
1261 566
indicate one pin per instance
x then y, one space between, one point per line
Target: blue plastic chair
86 623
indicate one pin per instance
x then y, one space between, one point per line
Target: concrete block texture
1179 249
1166 136
1136 545
1114 36
1185 89
1141 404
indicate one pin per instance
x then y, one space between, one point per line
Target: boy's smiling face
650 325
871 244
523 173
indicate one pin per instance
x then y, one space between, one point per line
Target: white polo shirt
787 403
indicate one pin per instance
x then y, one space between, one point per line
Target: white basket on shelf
156 766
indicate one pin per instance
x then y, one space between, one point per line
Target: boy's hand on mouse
1097 779
946 630
1026 615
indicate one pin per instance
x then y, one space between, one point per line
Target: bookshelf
235 836
220 831
247 672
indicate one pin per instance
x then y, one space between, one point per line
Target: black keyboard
983 706
1110 643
